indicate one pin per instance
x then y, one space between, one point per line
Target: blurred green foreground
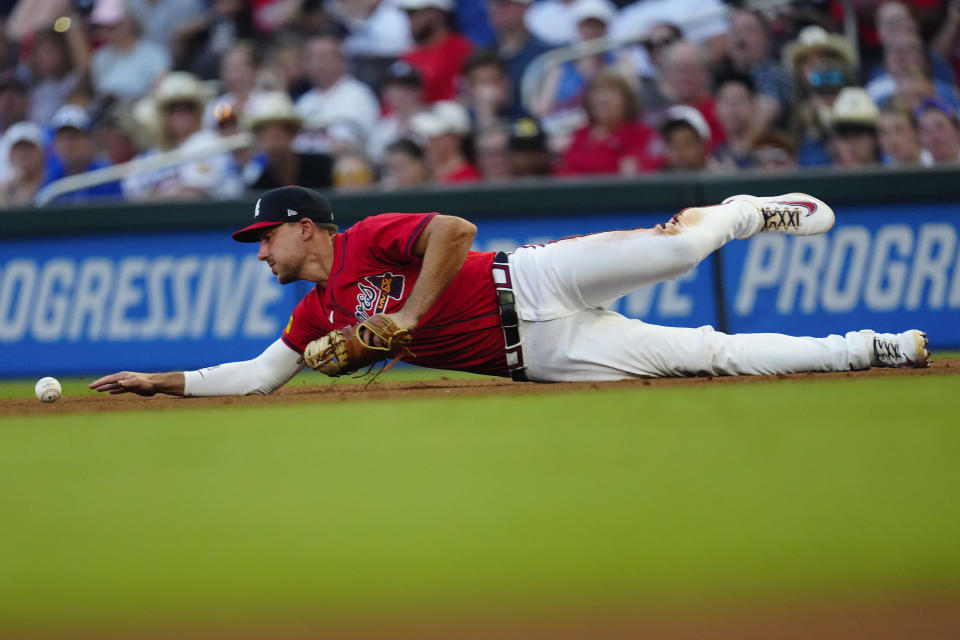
608 500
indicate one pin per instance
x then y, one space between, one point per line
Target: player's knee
699 354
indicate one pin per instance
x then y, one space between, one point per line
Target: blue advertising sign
887 268
185 300
135 301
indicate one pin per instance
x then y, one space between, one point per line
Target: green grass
430 506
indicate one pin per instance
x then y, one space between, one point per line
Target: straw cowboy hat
180 86
854 107
271 107
816 39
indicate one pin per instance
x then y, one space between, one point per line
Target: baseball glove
349 349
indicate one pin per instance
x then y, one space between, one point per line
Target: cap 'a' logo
256 209
291 213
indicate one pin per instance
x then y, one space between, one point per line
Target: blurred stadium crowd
358 94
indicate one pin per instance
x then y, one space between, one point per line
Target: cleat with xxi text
907 350
798 214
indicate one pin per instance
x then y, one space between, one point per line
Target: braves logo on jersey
376 292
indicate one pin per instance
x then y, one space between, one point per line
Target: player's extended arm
443 245
264 374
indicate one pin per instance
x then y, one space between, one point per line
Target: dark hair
739 78
774 138
485 58
667 129
676 33
406 146
759 17
841 129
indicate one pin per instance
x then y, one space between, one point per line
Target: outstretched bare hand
142 384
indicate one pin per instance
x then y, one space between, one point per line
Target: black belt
508 318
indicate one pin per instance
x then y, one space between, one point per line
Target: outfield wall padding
162 286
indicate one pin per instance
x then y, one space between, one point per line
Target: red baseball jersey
374 272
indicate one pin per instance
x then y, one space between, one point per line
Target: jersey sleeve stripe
416 233
287 342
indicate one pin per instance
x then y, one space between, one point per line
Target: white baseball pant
562 290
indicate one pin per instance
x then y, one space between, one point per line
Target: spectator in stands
226 123
337 98
283 68
939 131
491 143
14 108
119 136
25 143
487 93
178 102
773 151
352 171
127 65
749 51
471 20
75 153
375 28
897 135
275 123
614 141
239 75
201 42
404 165
401 97
737 110
529 156
445 127
903 55
555 21
438 53
161 19
58 63
653 92
687 136
912 89
686 77
946 42
821 64
517 46
703 22
14 98
853 130
894 18
563 86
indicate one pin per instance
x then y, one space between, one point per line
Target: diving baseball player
408 287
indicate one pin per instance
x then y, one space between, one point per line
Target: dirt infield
440 388
931 617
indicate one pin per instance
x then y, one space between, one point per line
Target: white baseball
48 389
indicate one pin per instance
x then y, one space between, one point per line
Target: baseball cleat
795 213
907 350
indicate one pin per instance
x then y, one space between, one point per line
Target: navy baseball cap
285 204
